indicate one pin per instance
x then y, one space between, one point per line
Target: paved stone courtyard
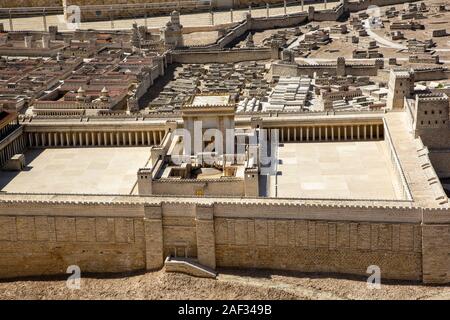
77 170
346 170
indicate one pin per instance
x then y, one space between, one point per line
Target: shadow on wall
158 86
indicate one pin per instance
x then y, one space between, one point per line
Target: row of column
14 147
83 139
7 129
330 133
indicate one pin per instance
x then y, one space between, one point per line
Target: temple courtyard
77 171
335 170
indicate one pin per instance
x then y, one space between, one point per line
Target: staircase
188 266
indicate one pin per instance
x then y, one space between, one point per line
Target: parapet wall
225 187
283 69
222 56
429 74
132 233
359 5
29 3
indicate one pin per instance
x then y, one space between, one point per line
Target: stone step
188 266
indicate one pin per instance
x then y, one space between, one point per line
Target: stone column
11 26
44 20
267 10
206 248
311 13
145 15
111 18
154 244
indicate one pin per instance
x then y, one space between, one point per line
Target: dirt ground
230 284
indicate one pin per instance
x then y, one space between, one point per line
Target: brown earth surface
230 284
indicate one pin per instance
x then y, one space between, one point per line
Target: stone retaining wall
40 237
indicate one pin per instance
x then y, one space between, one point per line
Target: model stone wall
29 3
431 74
219 56
283 69
439 159
436 246
212 187
35 244
38 237
320 246
358 5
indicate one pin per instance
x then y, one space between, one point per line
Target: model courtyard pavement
101 166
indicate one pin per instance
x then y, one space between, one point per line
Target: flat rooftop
77 171
344 170
203 100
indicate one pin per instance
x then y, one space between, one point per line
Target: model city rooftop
101 76
267 142
104 76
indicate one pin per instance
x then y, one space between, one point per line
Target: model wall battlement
432 97
398 239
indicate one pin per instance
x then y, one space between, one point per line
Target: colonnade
9 149
8 128
317 133
95 138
